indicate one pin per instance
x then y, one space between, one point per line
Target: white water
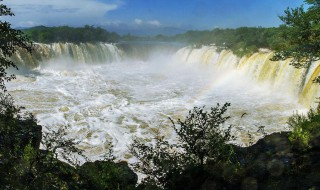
122 100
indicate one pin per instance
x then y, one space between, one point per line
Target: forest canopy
298 33
87 33
241 41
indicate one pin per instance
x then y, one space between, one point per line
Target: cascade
134 96
85 53
277 74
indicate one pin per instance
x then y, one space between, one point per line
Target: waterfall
116 103
278 74
85 53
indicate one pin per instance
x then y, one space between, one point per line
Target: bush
202 135
201 138
23 164
108 175
305 128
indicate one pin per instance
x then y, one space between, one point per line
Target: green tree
161 162
23 165
10 41
87 33
202 138
301 35
305 129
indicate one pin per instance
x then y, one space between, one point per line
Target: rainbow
279 75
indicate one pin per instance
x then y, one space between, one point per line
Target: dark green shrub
305 128
108 175
201 138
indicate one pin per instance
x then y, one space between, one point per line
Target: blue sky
137 15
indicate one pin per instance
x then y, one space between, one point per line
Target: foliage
201 138
160 162
202 135
305 128
242 41
10 40
69 34
301 35
17 135
108 175
23 165
57 143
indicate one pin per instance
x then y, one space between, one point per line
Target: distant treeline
241 41
87 33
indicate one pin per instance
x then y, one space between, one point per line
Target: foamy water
120 101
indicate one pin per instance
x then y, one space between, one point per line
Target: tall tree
301 35
10 40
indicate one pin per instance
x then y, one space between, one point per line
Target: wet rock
64 109
78 117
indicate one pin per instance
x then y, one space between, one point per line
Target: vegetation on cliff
305 129
297 37
241 41
300 35
10 39
23 164
201 139
87 33
287 160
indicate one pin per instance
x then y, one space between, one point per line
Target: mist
132 94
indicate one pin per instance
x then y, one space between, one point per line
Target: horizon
145 17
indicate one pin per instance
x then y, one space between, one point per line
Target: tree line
241 41
87 33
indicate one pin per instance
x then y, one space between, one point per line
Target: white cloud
111 23
154 22
28 24
59 12
138 21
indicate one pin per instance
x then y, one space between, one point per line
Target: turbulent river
119 99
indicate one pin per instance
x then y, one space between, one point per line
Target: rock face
271 163
23 165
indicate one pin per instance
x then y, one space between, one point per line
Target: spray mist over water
130 99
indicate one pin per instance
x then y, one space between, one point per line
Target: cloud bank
138 21
59 12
